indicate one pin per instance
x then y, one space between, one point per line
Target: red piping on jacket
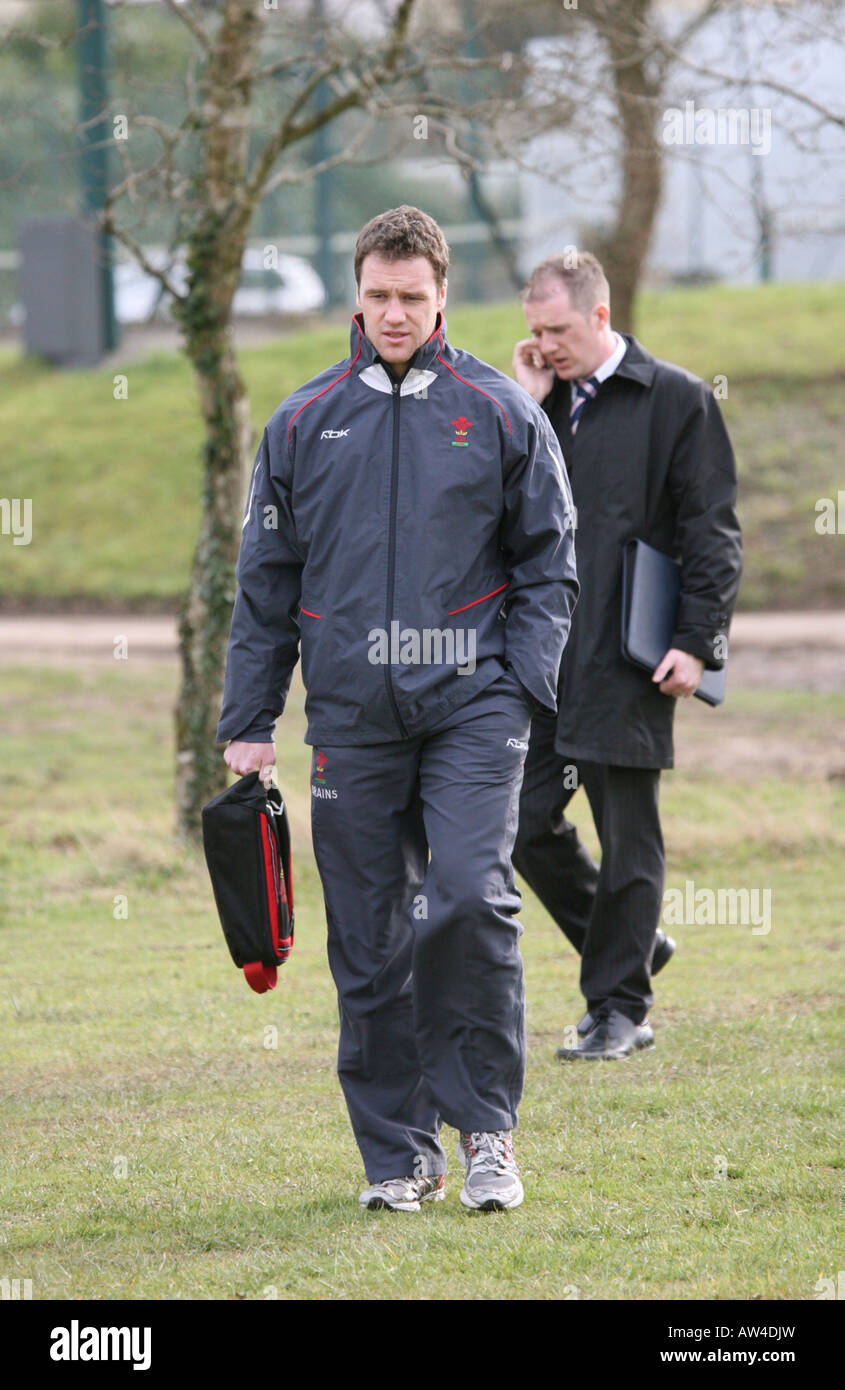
329 387
453 611
310 614
478 389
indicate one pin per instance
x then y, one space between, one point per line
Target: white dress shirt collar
608 367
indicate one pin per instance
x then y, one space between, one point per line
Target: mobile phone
539 362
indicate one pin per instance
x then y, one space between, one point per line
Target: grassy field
115 484
167 1134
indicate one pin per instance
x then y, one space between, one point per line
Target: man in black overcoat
648 458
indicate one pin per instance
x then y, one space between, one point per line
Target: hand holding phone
532 370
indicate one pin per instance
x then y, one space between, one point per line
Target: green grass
135 1040
115 484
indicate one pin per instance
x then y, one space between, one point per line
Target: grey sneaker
403 1194
492 1180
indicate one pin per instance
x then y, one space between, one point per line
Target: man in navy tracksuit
409 522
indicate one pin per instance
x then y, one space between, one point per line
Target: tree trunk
214 264
207 609
624 249
215 251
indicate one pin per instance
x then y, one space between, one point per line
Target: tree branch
169 138
781 88
283 65
185 15
283 135
136 250
289 131
347 156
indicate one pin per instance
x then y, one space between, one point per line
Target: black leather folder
651 587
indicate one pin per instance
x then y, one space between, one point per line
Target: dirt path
778 651
801 651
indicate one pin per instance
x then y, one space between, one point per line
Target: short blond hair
584 281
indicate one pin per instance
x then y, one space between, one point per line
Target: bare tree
603 70
603 80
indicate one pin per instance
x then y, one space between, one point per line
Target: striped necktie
584 391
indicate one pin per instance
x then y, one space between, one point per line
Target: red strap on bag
260 977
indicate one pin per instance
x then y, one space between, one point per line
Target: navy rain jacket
389 519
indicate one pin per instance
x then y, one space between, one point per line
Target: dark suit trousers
610 912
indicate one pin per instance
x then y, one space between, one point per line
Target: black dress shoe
614 1035
664 949
587 1023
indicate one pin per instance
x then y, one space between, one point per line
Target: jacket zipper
391 556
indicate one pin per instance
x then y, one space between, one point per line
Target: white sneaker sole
379 1203
492 1203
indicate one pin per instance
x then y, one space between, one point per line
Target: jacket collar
637 364
364 354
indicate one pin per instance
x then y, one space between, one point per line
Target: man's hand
686 669
251 757
531 369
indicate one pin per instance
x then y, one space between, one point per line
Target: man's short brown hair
580 274
401 233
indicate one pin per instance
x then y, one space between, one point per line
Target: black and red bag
246 837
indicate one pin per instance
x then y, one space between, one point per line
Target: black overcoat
650 460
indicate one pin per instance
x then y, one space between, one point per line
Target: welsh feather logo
461 425
318 786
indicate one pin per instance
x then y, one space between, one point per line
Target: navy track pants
413 843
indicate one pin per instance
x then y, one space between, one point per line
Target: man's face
571 344
400 302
